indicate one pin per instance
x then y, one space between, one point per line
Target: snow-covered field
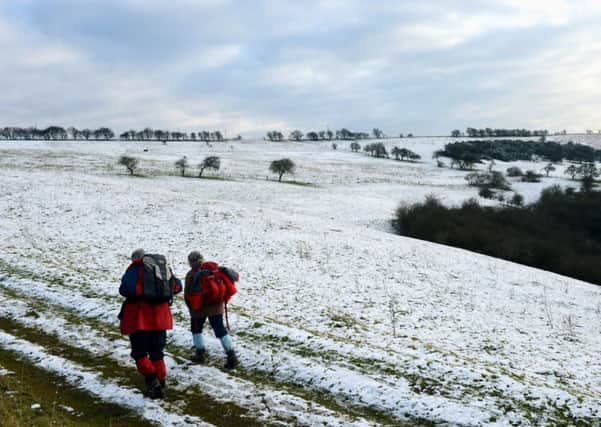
337 322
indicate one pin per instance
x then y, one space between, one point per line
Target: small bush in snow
517 200
531 176
492 179
514 171
486 193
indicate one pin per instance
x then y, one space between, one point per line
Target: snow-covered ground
337 321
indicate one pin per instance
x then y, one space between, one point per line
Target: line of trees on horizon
149 134
55 133
328 135
58 133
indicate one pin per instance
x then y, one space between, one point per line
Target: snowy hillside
337 322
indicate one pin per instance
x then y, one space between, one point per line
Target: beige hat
137 254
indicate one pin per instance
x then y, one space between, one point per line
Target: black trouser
216 322
148 344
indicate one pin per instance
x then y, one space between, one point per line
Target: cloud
403 66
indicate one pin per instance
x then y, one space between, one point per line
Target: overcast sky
248 66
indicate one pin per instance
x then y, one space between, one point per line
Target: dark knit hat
195 257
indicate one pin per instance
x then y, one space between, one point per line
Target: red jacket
140 315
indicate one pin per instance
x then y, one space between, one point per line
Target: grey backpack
158 279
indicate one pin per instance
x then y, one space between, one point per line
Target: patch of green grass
341 320
60 403
196 402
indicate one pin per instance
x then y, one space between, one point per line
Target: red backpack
211 285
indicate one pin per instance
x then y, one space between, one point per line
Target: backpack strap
196 280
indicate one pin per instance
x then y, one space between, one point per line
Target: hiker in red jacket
208 290
148 286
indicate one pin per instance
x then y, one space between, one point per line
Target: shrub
428 219
531 176
551 193
492 179
281 167
517 200
561 232
486 193
587 184
437 154
355 146
514 171
130 163
404 153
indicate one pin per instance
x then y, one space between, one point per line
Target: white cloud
286 64
214 57
50 55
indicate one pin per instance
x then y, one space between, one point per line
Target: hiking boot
163 385
200 356
232 360
153 387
